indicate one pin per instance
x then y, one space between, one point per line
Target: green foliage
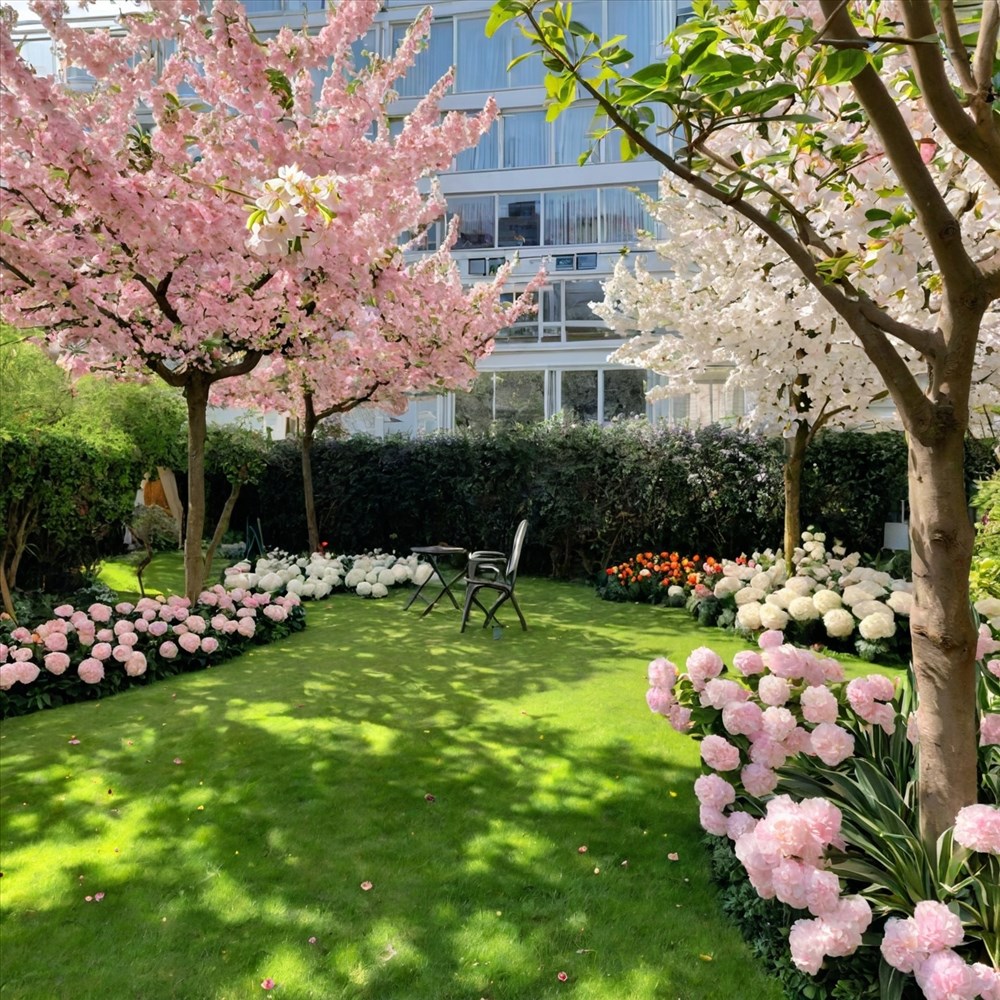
34 390
72 492
986 501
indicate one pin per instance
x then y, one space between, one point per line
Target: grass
231 816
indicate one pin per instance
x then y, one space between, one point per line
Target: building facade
521 191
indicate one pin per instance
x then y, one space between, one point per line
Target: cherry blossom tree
123 212
734 300
862 140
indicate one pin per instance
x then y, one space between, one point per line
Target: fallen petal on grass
366 885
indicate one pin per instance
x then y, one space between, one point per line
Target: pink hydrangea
135 665
56 642
785 660
8 676
24 653
168 650
124 608
101 651
768 752
105 635
91 670
770 638
739 823
219 620
141 626
714 792
246 627
158 628
989 729
99 612
773 690
719 754
209 644
742 718
64 611
819 704
758 780
27 672
797 741
702 665
712 821
21 634
189 642
831 743
823 820
945 975
900 945
680 718
749 662
977 828
808 941
246 612
993 666
121 653
275 612
56 663
196 623
659 700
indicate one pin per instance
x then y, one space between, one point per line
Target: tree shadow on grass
312 762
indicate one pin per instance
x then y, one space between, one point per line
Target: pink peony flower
21 634
56 663
101 650
978 828
124 608
246 612
135 665
27 672
770 638
168 650
798 740
819 704
748 662
768 752
91 670
758 780
121 653
64 611
900 945
778 723
56 642
276 612
785 660
773 690
937 926
702 665
993 666
141 626
718 693
189 642
742 718
714 792
989 729
246 627
158 628
945 976
739 823
22 654
122 625
986 644
196 623
209 644
659 700
719 754
680 718
99 612
712 821
218 621
832 744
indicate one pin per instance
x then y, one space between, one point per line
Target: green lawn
231 816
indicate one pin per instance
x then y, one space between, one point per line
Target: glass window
571 217
482 63
624 393
525 139
637 22
578 296
526 329
589 13
519 221
623 214
485 155
40 55
477 221
579 395
519 397
571 133
431 64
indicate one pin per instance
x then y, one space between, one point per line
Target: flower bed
655 578
98 651
371 574
809 779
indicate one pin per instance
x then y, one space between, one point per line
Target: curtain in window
485 155
636 21
431 64
477 226
572 134
622 214
525 139
482 64
571 217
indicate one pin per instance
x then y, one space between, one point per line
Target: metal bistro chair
486 571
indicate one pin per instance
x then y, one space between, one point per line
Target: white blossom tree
863 140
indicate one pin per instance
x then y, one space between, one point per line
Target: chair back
515 552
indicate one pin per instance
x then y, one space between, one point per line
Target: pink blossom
748 662
56 663
91 670
778 723
105 635
989 729
124 608
831 743
819 704
712 821
773 690
56 642
719 754
944 975
276 612
246 612
122 625
739 823
158 628
218 621
267 984
977 828
22 654
900 945
714 792
823 820
808 941
141 626
209 644
246 627
742 718
833 670
718 693
21 634
101 650
913 728
27 672
702 665
799 740
937 926
758 780
189 642
79 619
770 638
768 752
135 665
993 666
64 610
121 653
99 612
168 650
785 660
680 718
196 623
986 644
659 700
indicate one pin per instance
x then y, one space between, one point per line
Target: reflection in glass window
525 139
571 134
482 63
526 329
624 393
484 155
501 397
431 64
579 395
578 296
571 217
519 221
477 221
623 214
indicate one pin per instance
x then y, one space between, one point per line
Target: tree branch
958 55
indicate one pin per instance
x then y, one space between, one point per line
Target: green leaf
841 65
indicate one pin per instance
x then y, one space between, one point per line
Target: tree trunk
944 640
308 436
795 453
196 393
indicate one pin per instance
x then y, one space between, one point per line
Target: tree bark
944 639
795 453
196 393
308 436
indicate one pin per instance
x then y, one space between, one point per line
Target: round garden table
433 554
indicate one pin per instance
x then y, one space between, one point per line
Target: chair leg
513 600
470 596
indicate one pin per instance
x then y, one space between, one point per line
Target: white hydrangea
271 582
761 582
854 593
422 573
877 626
826 600
364 589
781 598
748 616
839 623
386 578
988 607
321 589
772 617
379 590
675 591
295 586
400 572
354 577
800 585
727 585
862 609
749 595
802 609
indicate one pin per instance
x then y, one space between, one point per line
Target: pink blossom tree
124 209
863 141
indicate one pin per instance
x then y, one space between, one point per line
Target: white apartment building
521 190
